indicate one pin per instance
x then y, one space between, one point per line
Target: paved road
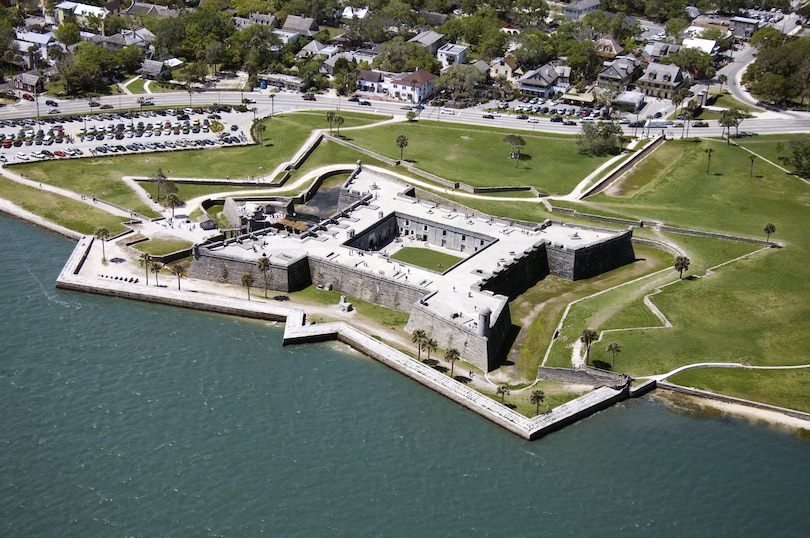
290 102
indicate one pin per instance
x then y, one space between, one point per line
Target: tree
695 61
330 117
263 265
503 390
722 79
172 201
537 398
588 337
410 116
799 157
709 152
129 59
261 128
460 80
145 260
600 138
418 337
102 234
214 54
67 33
399 56
339 120
156 267
517 143
769 229
451 356
402 141
247 282
158 177
727 120
681 264
179 271
431 345
613 348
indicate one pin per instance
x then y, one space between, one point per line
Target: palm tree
158 177
769 229
156 267
451 356
709 152
102 234
503 390
247 281
722 79
145 260
178 271
681 264
537 398
402 141
418 337
330 117
261 128
431 345
588 337
263 265
172 201
339 121
613 348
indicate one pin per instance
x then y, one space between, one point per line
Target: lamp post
272 105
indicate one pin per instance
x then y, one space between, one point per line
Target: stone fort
465 306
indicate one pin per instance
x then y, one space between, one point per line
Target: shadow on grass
462 379
440 368
601 365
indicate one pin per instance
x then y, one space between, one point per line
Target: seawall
297 331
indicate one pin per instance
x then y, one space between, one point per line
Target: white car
448 111
533 120
22 156
3 159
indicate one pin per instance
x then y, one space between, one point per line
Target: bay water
120 418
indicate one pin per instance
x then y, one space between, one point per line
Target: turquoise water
126 419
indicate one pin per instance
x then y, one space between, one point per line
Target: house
452 54
354 14
316 48
29 82
287 82
619 73
287 37
657 50
139 9
508 29
255 18
661 80
414 87
579 9
430 40
81 12
692 12
139 38
370 81
433 18
305 26
153 70
505 67
545 80
630 101
609 48
113 6
482 66
743 27
709 46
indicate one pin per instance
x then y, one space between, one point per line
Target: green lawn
768 146
161 247
727 101
431 260
752 311
136 86
551 163
69 213
783 388
386 317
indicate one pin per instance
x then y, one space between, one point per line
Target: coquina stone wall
377 289
479 350
519 274
209 265
591 260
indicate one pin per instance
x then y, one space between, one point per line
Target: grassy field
783 388
768 146
161 247
727 101
752 311
551 163
136 86
431 260
386 317
72 214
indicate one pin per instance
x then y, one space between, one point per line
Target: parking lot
536 109
62 137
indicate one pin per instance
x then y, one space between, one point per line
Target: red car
59 153
28 97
